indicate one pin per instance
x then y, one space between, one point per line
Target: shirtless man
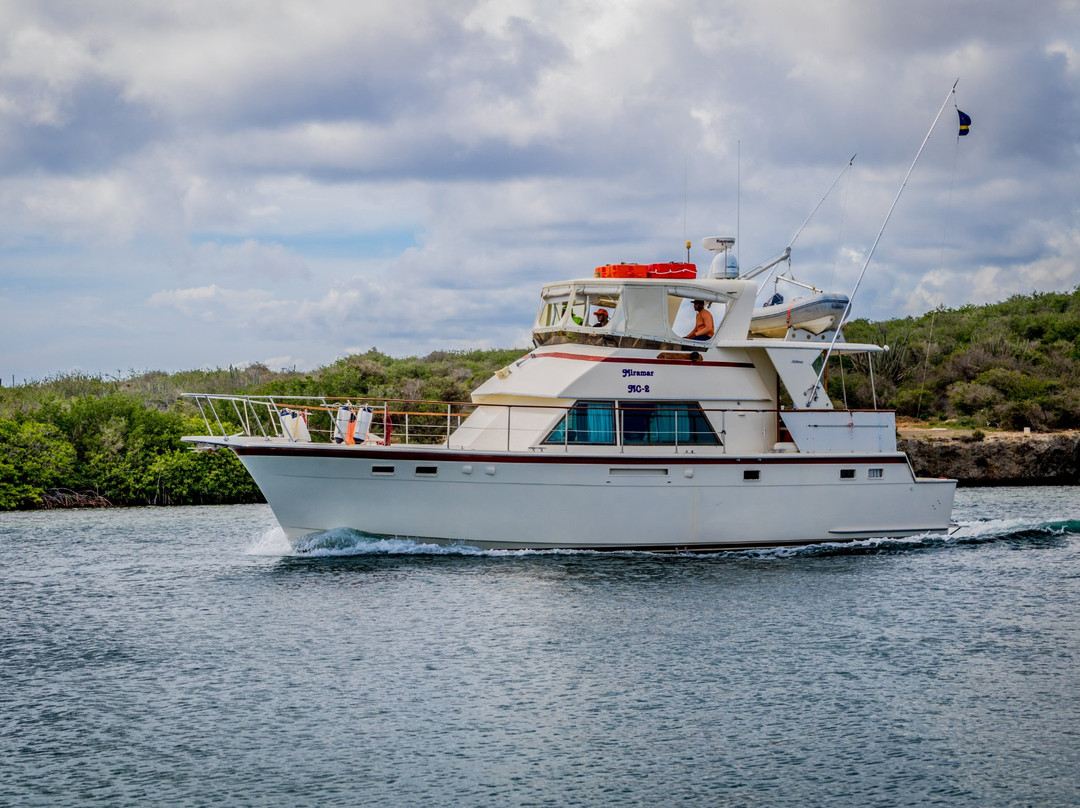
703 323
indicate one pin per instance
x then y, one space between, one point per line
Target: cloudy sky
215 182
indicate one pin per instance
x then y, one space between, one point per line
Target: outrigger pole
811 394
786 254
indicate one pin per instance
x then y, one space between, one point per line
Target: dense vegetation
1004 366
76 439
87 440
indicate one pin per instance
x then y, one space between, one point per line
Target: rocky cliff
1005 458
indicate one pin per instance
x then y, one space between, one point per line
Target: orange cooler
622 271
672 270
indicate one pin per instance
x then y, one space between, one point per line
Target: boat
624 435
816 314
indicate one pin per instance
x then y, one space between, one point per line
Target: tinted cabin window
665 423
590 422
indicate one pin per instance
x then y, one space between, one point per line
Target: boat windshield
569 306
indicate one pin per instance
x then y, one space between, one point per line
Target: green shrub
33 458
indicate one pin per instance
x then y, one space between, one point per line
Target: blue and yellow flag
965 123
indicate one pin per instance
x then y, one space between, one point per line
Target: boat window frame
572 307
550 303
588 299
560 435
691 424
699 431
710 298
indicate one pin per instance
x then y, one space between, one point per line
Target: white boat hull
521 500
816 314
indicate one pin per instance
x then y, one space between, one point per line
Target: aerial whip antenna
738 200
811 394
786 254
798 232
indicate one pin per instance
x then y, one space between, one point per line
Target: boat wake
347 542
344 542
1015 532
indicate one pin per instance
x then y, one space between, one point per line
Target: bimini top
640 313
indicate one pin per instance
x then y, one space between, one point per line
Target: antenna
685 171
812 392
798 232
786 254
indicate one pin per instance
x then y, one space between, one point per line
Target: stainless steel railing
433 423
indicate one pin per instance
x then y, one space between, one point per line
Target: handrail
427 423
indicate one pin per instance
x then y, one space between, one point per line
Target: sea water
188 656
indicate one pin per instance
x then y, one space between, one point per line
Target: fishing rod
811 394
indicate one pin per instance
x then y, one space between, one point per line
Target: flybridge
641 312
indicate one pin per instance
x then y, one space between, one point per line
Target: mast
811 394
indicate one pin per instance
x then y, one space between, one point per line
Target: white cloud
250 258
41 70
242 179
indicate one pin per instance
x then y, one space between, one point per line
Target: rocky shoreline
994 458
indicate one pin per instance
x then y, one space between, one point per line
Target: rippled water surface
185 656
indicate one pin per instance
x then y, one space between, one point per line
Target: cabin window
382 470
875 474
681 313
429 471
551 311
587 422
590 300
665 423
574 307
847 474
751 474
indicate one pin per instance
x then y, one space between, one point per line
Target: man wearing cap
703 323
601 318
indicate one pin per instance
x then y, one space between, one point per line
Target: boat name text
628 372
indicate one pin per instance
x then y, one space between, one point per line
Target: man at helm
703 322
601 318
